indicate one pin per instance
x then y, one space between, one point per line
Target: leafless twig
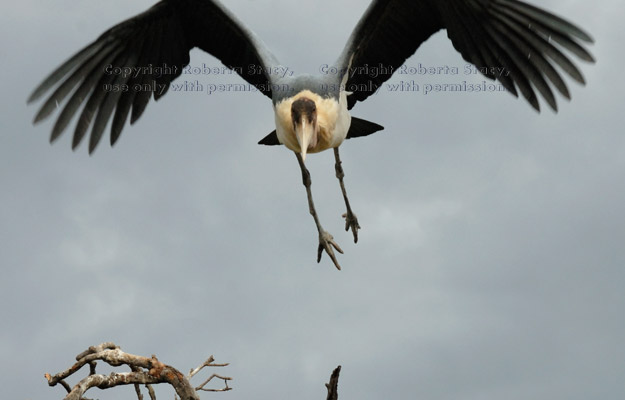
209 363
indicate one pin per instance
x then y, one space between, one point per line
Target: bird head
304 117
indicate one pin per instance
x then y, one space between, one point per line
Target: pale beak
305 134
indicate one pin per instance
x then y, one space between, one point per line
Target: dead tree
146 371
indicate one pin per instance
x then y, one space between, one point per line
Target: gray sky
490 260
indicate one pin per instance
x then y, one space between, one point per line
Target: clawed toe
327 243
351 222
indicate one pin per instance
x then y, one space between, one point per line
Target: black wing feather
522 39
161 37
389 32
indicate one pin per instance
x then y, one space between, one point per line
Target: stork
117 74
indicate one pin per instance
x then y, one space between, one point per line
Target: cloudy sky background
490 263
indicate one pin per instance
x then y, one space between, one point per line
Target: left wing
508 34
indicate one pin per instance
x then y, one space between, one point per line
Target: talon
326 242
351 222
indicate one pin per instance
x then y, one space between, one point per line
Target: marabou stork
311 112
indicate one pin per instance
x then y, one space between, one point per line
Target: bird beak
305 134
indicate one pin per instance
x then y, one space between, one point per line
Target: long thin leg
350 218
326 241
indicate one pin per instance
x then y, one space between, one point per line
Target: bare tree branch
225 379
138 391
333 385
151 392
209 363
146 371
143 371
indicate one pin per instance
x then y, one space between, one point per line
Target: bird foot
326 242
351 222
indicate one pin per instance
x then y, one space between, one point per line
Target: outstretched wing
495 35
139 58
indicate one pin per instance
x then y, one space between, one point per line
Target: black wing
490 34
139 58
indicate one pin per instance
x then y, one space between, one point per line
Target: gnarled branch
146 371
143 371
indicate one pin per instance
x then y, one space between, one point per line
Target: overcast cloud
490 263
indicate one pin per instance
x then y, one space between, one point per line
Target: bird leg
326 241
350 218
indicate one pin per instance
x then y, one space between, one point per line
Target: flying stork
137 59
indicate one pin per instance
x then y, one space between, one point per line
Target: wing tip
270 140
